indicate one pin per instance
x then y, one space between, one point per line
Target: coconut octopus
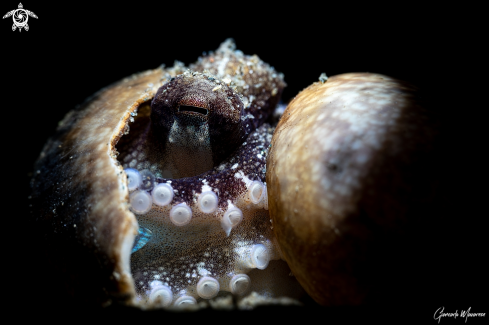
160 185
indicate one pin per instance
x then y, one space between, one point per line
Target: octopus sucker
176 186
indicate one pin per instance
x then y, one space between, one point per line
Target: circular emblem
20 18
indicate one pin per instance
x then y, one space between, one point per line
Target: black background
73 50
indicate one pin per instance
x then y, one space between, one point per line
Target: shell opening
207 287
162 194
141 202
194 109
207 202
180 214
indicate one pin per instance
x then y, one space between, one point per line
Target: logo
20 17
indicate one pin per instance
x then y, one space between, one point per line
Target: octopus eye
195 109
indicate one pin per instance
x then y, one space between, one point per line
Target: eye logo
20 17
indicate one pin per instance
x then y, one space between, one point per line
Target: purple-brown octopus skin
199 139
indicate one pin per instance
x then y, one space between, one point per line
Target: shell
347 165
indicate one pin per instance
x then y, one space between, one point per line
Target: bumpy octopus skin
81 188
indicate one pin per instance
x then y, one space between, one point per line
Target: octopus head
197 119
